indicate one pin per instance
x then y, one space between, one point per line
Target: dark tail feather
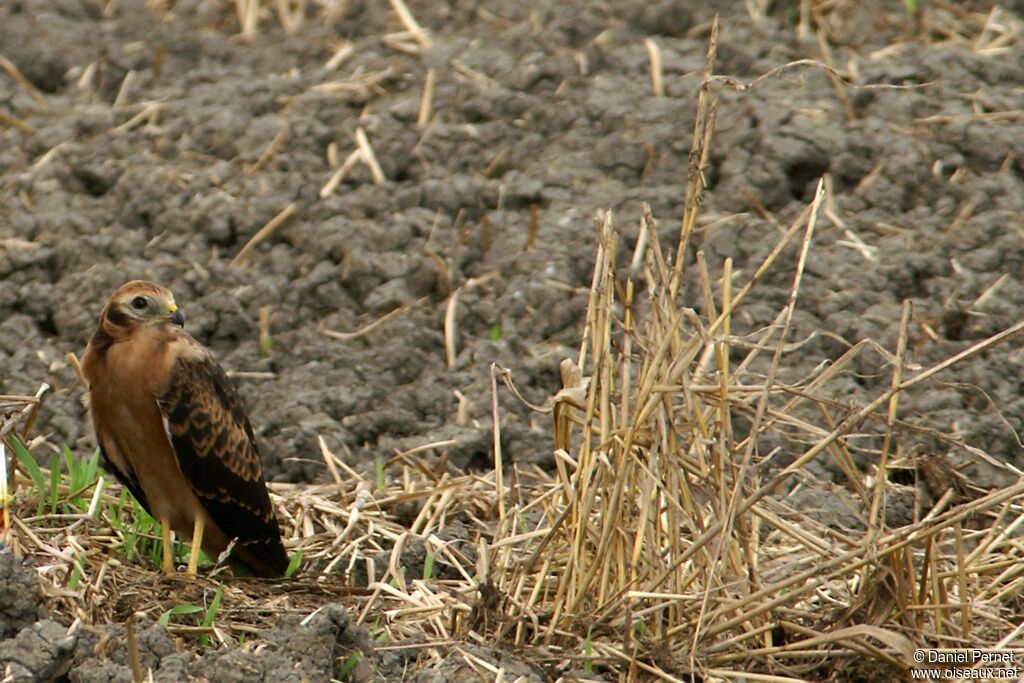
265 558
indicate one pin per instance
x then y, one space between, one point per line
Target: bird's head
138 303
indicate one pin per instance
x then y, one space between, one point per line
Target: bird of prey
173 430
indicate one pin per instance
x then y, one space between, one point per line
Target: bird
174 431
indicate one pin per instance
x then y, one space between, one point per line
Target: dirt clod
40 653
21 603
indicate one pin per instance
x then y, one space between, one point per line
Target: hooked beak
177 317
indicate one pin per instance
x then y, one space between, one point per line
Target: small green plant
140 533
348 666
32 468
428 567
54 482
639 629
791 17
495 331
75 578
211 613
129 525
588 652
177 611
378 633
399 580
83 473
293 565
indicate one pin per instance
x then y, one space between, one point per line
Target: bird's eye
139 303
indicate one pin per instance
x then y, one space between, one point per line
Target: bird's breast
130 428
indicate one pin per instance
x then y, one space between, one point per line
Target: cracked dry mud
541 107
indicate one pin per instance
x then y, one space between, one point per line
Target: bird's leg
197 544
165 528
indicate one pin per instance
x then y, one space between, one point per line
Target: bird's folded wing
216 450
125 476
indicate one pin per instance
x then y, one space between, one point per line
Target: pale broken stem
877 513
248 16
499 477
427 100
292 18
48 156
363 83
989 291
866 250
149 111
756 9
348 336
125 90
450 318
14 72
10 120
264 340
28 413
343 52
403 41
450 328
657 74
965 603
264 232
97 495
369 157
700 148
269 153
85 81
332 183
329 461
837 83
242 374
133 650
77 367
642 237
410 23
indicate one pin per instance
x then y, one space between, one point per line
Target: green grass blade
74 469
349 665
30 465
92 467
588 652
428 567
178 610
54 481
211 613
293 565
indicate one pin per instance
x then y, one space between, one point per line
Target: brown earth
139 151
